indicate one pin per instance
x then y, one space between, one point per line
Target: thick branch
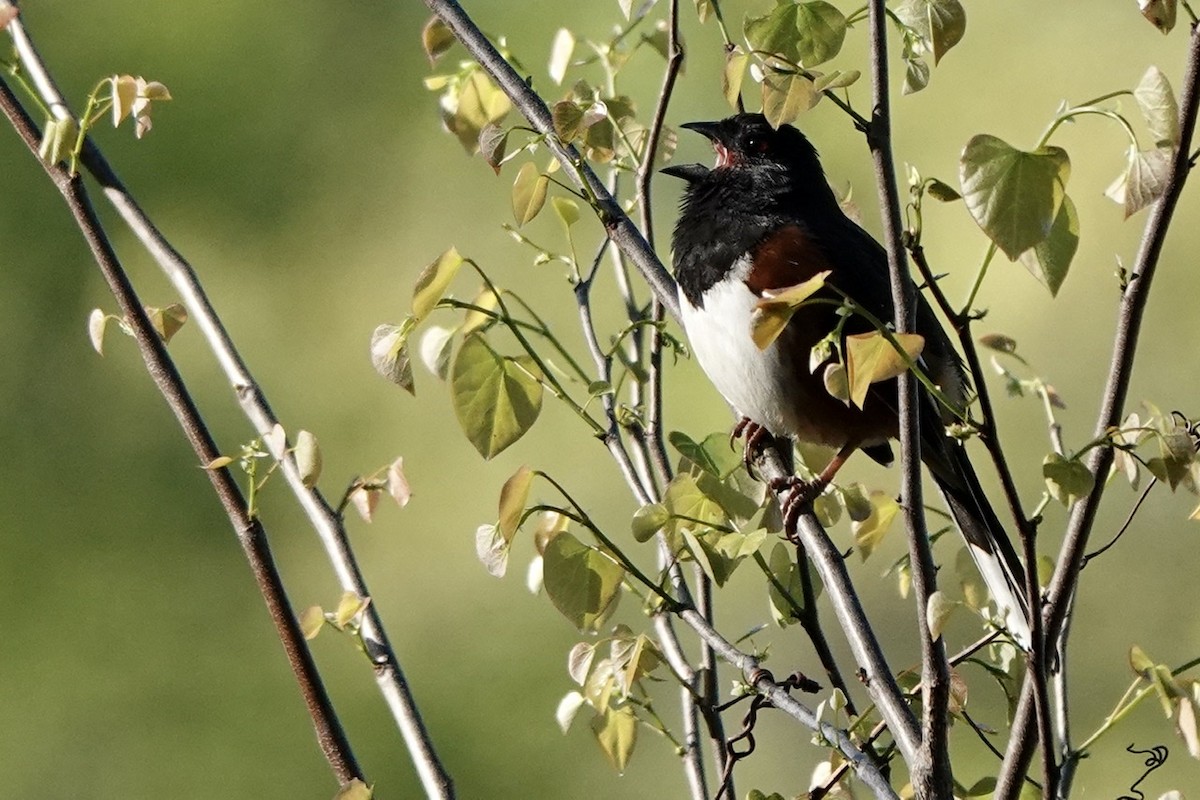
250 532
1129 322
388 674
931 771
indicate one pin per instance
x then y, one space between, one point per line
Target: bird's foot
800 494
757 438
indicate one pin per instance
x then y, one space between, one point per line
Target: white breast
754 381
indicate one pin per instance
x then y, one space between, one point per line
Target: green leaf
58 140
939 190
560 55
941 23
871 358
167 321
582 582
616 732
822 30
772 313
1013 195
974 590
496 399
1157 102
389 354
1141 663
433 282
566 209
647 521
1067 479
775 32
1050 258
713 455
528 193
732 76
937 611
982 788
349 607
568 120
684 498
916 75
836 80
436 39
514 495
870 532
784 588
785 95
312 619
308 458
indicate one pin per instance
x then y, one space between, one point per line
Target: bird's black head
747 142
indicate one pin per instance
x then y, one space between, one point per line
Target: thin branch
1132 309
388 675
931 771
162 370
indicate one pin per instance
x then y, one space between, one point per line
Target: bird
764 218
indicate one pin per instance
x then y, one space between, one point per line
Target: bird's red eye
757 144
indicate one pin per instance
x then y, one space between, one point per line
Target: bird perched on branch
762 220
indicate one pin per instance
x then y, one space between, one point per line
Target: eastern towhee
764 219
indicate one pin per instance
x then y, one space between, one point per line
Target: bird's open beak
712 132
689 172
709 130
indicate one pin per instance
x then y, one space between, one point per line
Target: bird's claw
757 438
800 493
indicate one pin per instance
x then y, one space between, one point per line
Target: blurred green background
302 169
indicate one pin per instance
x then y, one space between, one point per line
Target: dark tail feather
987 542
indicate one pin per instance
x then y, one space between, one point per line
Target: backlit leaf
491 548
1050 258
582 582
732 76
1013 195
436 39
785 95
1144 179
493 141
775 32
436 346
397 483
871 358
822 30
355 790
772 313
1068 480
647 521
528 193
167 321
1157 102
560 55
349 607
389 354
97 322
941 23
513 497
616 732
312 619
1160 13
870 532
568 120
916 75
937 611
566 209
308 458
433 281
496 399
568 707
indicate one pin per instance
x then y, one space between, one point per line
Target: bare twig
1132 309
931 769
163 372
388 674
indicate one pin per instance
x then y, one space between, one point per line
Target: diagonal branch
1129 322
931 771
161 367
328 525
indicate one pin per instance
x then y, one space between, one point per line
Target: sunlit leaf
579 661
397 483
355 790
349 607
433 281
822 30
528 193
568 120
568 707
312 619
736 61
97 322
389 355
496 399
648 520
785 96
1157 102
167 321
937 611
1160 13
836 80
514 495
1144 179
436 39
365 502
775 32
1067 479
491 548
871 358
566 209
436 346
493 142
941 23
870 532
560 55
616 732
308 458
773 312
1013 195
